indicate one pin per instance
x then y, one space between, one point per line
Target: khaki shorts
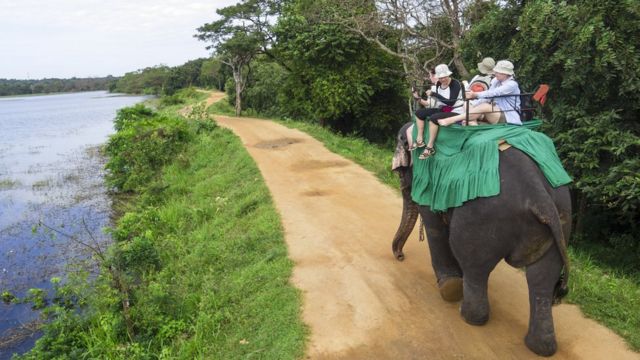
501 120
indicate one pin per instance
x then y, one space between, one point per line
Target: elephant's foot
542 345
475 312
451 289
541 338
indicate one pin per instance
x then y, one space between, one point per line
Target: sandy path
361 303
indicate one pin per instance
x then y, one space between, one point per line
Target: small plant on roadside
201 120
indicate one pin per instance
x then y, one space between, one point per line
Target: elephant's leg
475 305
478 256
542 277
446 267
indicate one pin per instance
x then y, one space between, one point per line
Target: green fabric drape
465 165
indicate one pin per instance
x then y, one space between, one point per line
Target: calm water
50 174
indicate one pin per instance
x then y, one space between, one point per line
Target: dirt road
361 303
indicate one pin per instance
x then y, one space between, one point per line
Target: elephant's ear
401 158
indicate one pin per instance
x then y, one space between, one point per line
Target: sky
95 38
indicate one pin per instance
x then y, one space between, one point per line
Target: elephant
527 224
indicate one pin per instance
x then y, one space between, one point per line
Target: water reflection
50 173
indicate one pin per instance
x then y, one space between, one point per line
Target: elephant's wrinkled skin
527 224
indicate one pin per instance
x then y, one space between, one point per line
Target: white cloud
65 38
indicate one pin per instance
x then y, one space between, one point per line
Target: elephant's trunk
409 213
402 165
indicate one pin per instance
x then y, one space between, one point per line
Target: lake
52 196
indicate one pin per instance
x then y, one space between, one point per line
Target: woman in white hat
501 103
448 95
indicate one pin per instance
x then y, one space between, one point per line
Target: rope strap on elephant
465 165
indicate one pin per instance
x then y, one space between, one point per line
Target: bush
145 141
171 100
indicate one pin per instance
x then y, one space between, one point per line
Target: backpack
527 102
480 83
527 109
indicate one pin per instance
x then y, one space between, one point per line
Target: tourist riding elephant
527 224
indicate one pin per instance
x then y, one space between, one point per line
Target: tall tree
335 76
242 33
582 50
420 32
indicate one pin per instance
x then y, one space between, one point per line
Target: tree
242 33
420 32
212 73
335 76
581 50
183 76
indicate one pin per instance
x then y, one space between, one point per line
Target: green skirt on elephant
465 165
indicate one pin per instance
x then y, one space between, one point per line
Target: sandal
429 151
416 145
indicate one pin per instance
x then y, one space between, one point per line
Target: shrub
145 141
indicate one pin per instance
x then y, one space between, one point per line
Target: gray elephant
527 224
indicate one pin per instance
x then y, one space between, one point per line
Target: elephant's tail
552 219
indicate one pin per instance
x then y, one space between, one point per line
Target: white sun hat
486 65
504 67
442 70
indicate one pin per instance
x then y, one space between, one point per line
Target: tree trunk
462 70
238 99
237 76
580 214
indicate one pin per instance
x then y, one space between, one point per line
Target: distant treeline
165 80
24 87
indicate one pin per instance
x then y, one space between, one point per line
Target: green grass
221 107
604 293
222 248
225 266
41 184
6 184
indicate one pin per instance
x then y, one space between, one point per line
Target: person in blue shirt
503 108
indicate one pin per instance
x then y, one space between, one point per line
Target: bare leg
420 136
430 150
493 116
474 113
433 133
